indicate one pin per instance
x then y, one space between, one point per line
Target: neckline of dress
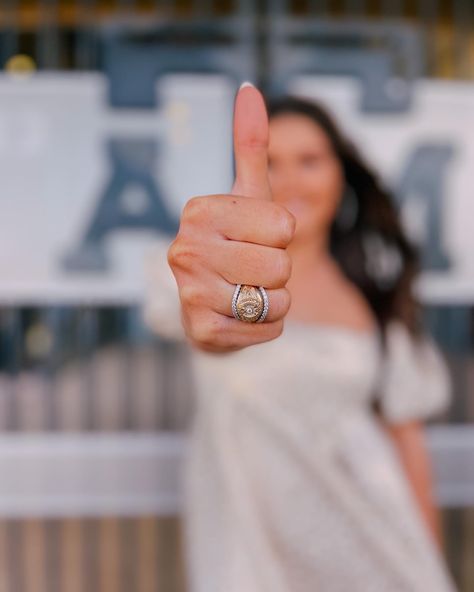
372 334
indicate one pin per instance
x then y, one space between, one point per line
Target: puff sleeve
161 308
415 382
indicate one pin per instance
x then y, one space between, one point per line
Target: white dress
290 482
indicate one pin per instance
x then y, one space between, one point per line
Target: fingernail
246 83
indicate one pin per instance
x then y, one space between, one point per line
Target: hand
236 238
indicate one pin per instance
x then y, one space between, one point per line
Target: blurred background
113 113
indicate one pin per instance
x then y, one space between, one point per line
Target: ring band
250 303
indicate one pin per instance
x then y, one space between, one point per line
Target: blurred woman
307 467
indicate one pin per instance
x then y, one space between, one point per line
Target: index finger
251 144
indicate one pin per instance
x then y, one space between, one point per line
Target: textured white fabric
291 485
414 379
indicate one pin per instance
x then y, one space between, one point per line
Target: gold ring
250 303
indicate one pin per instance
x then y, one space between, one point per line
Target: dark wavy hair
366 237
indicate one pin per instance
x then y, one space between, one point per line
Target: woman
307 468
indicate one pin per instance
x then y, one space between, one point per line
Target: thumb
251 144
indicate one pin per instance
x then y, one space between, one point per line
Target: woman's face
305 174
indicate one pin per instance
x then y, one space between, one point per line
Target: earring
383 261
348 211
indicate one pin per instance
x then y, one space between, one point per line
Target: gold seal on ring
250 303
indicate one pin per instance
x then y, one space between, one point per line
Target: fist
236 238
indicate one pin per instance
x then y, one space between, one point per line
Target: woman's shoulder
415 382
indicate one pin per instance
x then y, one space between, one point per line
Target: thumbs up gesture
237 238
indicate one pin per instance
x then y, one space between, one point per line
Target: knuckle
288 226
182 254
291 225
282 267
285 223
277 329
195 209
252 142
172 251
285 301
280 328
206 331
190 295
